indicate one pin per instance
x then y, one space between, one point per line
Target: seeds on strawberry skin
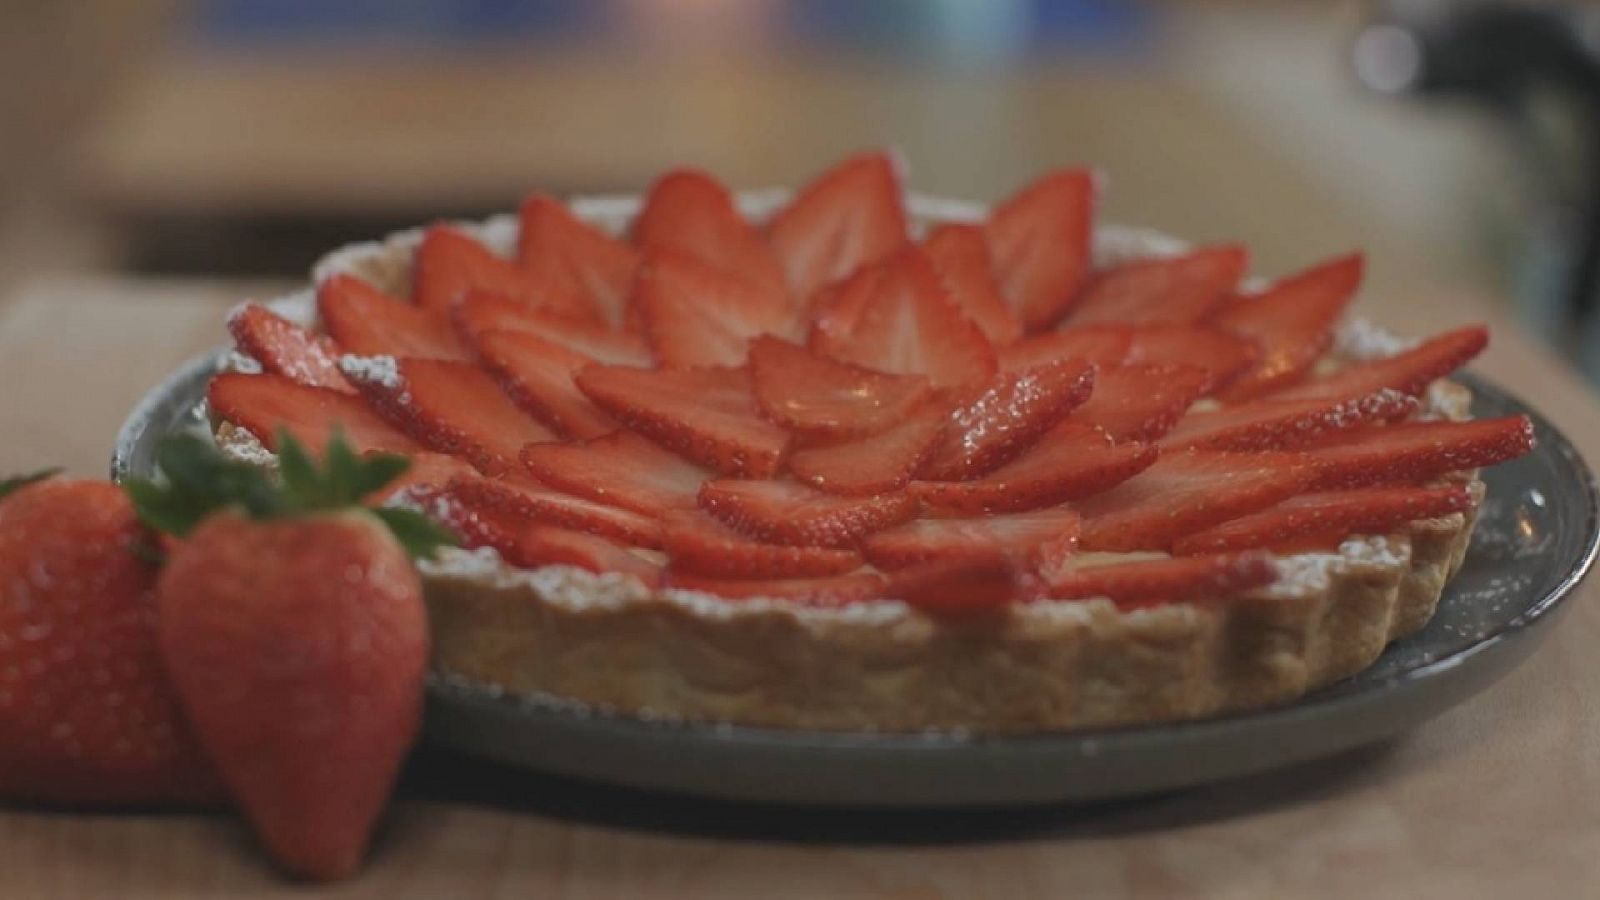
284 348
787 512
1330 513
702 545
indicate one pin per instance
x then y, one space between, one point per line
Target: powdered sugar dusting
242 363
380 371
1358 338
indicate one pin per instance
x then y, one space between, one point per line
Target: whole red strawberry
293 625
87 716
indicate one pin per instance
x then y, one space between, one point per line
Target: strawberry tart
853 459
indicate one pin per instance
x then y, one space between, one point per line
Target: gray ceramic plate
1535 539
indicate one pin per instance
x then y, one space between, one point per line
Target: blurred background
153 142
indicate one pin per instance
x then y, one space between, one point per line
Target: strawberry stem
10 486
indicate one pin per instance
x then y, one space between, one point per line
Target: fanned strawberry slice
1417 451
284 348
575 261
1141 403
787 512
1177 290
960 254
1070 460
522 496
368 322
1039 242
1341 513
1292 321
960 586
1223 356
1409 372
1156 581
451 407
474 523
837 590
263 404
480 312
427 470
1040 540
449 264
691 212
708 415
876 464
621 469
549 545
848 217
538 376
695 314
813 394
702 545
1274 424
1103 345
1007 417
1185 492
837 307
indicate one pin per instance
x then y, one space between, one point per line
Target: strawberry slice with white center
284 348
549 545
1071 460
621 469
1185 492
449 264
816 395
1040 540
910 326
521 496
1331 513
691 212
368 322
1137 583
837 590
451 407
707 415
575 261
1006 418
480 312
1176 290
1418 451
1292 321
695 314
850 216
1223 356
876 464
1409 372
1279 424
1103 345
264 404
538 376
787 512
702 545
1141 403
960 254
837 307
1039 242
959 586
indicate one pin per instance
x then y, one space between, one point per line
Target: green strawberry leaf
419 535
11 485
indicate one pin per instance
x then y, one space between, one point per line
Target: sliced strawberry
1273 424
1185 492
960 586
1177 290
817 395
284 348
452 407
480 312
837 307
1409 372
1040 540
1417 451
960 254
449 264
1103 345
702 545
876 464
575 261
835 591
1070 460
1039 241
910 326
1223 356
690 212
1292 321
848 217
548 545
538 376
427 470
1141 403
368 322
1358 511
1007 418
621 469
521 496
786 512
263 404
695 314
708 415
474 523
1156 581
